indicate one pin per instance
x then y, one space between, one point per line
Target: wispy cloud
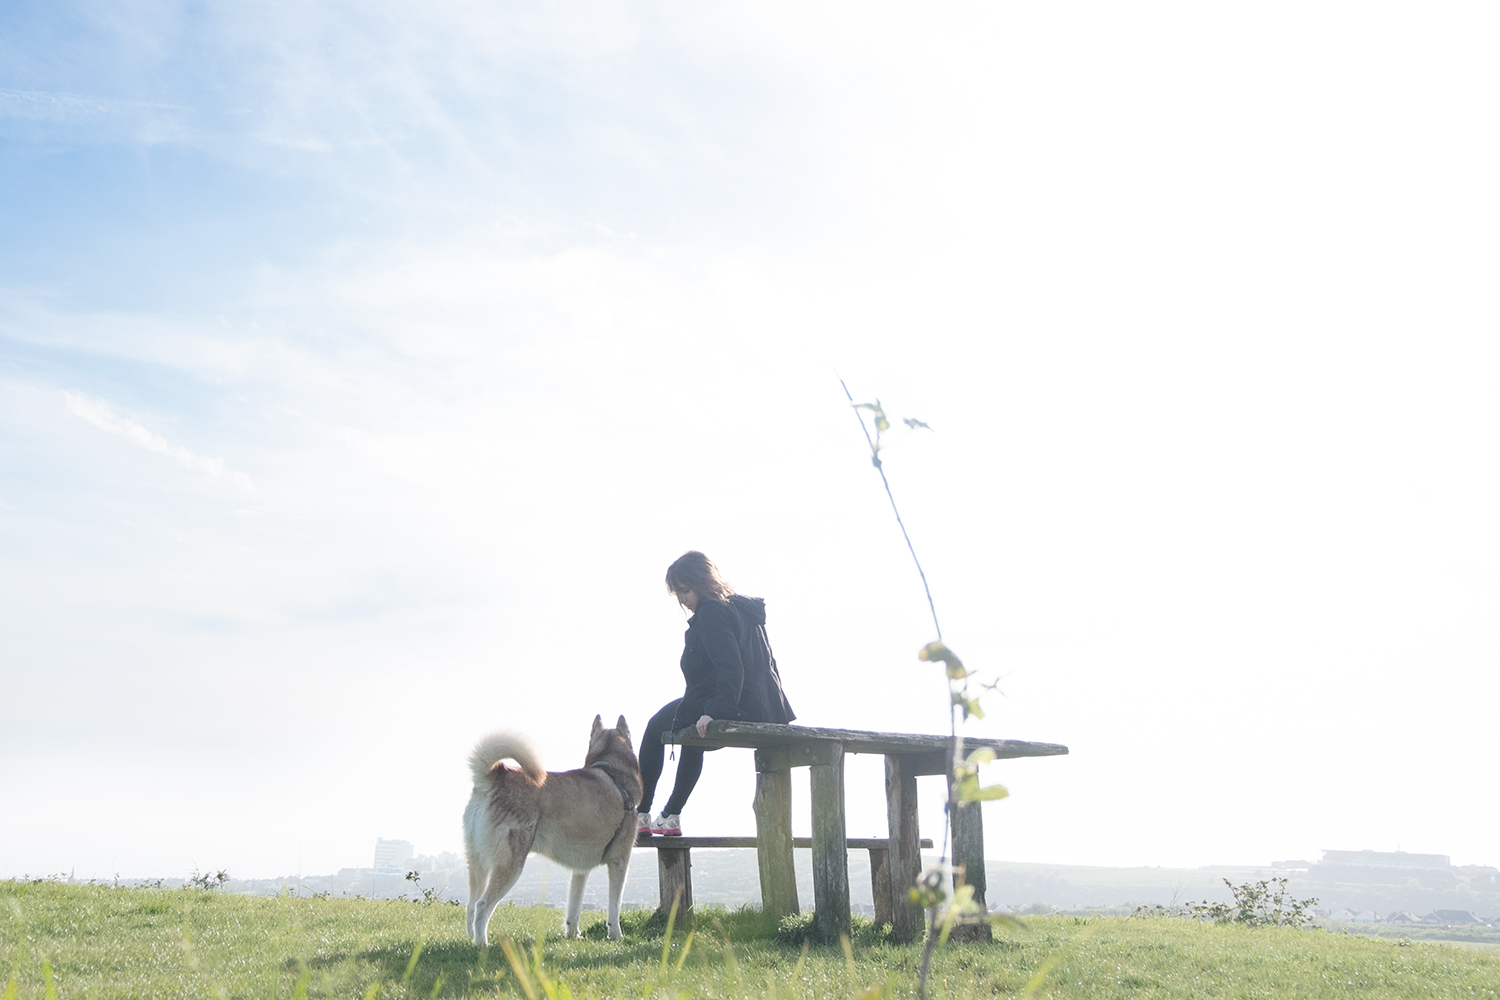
142 121
47 105
104 416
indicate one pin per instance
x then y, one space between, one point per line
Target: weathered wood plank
968 852
830 856
801 843
723 733
674 870
880 883
773 842
780 758
906 856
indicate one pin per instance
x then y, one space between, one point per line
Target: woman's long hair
696 572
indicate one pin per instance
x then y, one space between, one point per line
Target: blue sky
362 368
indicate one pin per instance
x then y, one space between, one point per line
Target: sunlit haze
364 365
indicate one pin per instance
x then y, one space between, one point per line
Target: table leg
880 883
773 835
674 869
906 850
830 851
968 851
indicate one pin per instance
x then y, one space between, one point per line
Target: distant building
392 855
446 861
1453 917
1385 859
1402 917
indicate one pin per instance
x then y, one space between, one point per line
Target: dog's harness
625 796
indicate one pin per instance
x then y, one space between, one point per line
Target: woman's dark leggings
652 756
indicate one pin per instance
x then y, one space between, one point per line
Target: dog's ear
598 726
622 728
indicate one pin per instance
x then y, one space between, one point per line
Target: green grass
104 943
1464 935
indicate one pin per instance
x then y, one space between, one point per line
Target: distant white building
1385 859
392 855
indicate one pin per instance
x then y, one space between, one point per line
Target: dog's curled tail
501 746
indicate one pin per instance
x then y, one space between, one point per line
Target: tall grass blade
687 946
848 955
555 990
10 987
411 965
666 946
518 966
437 984
801 960
374 990
50 987
732 965
299 991
1035 982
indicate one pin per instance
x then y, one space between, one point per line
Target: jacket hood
753 608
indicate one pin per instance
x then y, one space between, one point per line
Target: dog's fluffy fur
570 817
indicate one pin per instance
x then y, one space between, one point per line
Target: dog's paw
615 935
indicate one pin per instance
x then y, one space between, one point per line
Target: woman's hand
703 725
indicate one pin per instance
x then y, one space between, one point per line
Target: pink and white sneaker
667 826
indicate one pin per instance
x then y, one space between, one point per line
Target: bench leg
906 850
880 883
674 870
968 851
830 852
773 836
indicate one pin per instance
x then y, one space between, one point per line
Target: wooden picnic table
779 748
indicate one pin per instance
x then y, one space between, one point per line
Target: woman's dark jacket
728 665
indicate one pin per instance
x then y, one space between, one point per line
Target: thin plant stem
952 716
880 468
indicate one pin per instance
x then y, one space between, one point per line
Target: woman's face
687 599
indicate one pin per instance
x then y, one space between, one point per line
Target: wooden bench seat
674 866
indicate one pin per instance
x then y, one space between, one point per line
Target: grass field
1466 936
100 942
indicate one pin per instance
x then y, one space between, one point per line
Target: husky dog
580 819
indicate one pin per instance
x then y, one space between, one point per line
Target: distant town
1392 888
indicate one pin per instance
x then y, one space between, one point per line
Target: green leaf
981 756
881 423
969 705
913 423
936 652
968 790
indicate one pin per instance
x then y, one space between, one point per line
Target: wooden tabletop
682 843
769 735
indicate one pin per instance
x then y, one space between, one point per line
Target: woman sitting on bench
730 673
